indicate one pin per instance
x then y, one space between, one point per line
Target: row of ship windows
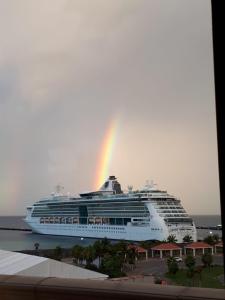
41 209
111 215
174 215
166 203
101 227
171 207
91 208
171 211
90 221
101 230
103 202
46 212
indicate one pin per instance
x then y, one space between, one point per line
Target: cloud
68 68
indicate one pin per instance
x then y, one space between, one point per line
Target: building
139 250
218 248
166 249
13 263
198 248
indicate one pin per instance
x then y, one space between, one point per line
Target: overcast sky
68 68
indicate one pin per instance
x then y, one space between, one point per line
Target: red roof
166 246
137 248
195 245
220 244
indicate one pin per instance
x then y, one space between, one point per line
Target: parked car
178 259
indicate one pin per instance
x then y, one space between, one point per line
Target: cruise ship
145 214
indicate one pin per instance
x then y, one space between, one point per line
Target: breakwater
209 227
17 229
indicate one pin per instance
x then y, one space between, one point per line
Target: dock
210 227
17 229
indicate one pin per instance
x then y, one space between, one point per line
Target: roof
12 263
166 246
137 248
195 245
220 244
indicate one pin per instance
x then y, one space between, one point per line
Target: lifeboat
75 220
98 220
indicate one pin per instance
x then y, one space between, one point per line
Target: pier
17 229
210 227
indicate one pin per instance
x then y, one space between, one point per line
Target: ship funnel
111 185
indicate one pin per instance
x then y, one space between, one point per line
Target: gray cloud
66 70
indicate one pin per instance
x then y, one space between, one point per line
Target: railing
49 288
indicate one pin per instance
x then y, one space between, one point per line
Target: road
158 267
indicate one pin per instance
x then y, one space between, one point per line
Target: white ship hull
129 233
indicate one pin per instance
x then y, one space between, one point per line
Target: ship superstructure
146 214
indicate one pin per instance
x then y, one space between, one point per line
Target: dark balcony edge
23 287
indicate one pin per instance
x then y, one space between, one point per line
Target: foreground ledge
48 288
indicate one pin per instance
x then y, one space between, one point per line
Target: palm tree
187 238
190 262
207 259
212 239
89 254
98 250
58 253
106 245
172 265
131 257
102 248
77 252
121 249
171 239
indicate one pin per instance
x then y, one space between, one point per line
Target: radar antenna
59 188
130 188
150 185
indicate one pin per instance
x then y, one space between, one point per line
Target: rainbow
106 154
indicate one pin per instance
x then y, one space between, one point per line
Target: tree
111 265
89 254
212 239
120 249
106 245
171 239
207 259
216 238
172 265
187 238
77 252
198 271
58 253
131 257
98 250
92 267
190 262
102 248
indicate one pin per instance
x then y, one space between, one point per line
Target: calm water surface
22 240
